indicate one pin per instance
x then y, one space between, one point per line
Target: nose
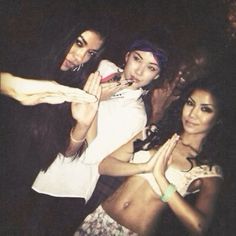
80 55
139 70
193 112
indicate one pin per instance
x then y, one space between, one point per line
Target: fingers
92 85
109 89
35 99
56 98
171 145
115 85
168 146
174 82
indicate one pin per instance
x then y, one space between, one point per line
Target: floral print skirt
100 223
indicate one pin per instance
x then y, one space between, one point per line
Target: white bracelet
75 140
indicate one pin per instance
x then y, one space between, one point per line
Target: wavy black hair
40 132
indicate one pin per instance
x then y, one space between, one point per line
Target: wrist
77 135
74 139
143 168
168 193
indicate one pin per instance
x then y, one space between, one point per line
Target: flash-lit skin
141 67
136 206
199 114
82 50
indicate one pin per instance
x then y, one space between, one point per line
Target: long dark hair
40 132
171 123
50 66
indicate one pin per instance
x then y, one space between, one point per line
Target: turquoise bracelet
168 193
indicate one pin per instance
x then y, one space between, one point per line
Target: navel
126 204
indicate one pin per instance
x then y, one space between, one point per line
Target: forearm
195 221
156 116
114 167
17 85
8 87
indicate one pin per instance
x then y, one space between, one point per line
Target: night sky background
192 22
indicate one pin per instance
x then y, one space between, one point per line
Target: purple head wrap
144 45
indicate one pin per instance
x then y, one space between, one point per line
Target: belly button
126 204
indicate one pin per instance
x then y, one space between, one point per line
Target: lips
69 64
190 123
133 79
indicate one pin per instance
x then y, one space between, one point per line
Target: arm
117 164
33 92
162 98
195 218
198 217
84 114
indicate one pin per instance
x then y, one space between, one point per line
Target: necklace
188 145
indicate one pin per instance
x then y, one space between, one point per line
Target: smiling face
200 113
141 67
82 50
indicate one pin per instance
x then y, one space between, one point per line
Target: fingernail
129 83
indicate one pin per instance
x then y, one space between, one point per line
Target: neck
194 141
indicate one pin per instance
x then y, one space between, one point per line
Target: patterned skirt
100 223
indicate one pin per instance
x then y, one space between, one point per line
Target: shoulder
205 171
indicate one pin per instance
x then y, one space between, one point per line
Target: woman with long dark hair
163 172
119 119
32 136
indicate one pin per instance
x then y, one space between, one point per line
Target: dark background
192 22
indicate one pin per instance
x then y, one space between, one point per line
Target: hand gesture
163 155
110 88
163 97
84 113
32 92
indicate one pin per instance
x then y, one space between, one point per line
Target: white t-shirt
119 120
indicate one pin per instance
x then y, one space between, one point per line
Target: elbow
101 168
199 229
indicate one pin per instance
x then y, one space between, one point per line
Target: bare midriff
134 205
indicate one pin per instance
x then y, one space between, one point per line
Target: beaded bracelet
75 140
168 193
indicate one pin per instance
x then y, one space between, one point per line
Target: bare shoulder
211 184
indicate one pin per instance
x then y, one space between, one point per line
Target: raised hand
84 113
32 92
163 155
163 97
110 88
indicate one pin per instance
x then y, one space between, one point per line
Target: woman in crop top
161 173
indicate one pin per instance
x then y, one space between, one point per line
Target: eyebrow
151 63
203 104
86 43
83 40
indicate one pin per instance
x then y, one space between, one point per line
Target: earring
77 68
145 92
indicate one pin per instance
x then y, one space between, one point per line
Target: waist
134 204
